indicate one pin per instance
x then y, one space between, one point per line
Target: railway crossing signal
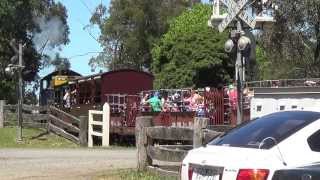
233 11
239 10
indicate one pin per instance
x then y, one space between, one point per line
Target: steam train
123 90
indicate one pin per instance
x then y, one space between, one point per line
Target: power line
91 12
85 54
89 32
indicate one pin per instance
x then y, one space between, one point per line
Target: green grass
32 138
132 175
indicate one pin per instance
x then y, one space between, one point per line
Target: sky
81 42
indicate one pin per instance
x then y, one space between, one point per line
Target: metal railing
307 82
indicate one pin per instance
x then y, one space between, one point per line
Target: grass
132 175
32 138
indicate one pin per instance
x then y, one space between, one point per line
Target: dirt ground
70 164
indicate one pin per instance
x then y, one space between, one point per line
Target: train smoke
51 33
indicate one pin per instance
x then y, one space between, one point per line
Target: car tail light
253 174
190 172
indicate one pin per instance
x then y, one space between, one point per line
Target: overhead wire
88 8
85 54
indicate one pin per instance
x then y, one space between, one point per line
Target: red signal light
253 174
190 172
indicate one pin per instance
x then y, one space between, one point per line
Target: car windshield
278 126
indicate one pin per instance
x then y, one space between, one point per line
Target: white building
268 100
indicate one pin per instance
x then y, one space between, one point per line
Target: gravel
73 164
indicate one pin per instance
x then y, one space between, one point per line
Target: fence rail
49 117
284 83
156 155
68 126
33 116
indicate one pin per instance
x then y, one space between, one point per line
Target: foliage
131 29
293 44
22 20
263 70
191 53
32 138
132 175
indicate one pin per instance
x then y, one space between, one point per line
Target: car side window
314 141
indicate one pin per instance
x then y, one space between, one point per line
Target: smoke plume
51 33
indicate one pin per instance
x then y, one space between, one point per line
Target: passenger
66 99
200 111
192 100
73 95
155 103
233 97
165 104
144 100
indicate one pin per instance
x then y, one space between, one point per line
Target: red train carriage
119 88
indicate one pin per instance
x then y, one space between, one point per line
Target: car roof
297 114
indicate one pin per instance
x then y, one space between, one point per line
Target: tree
293 44
191 53
20 20
131 29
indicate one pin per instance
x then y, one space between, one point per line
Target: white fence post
105 123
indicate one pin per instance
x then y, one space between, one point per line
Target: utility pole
17 67
239 77
20 95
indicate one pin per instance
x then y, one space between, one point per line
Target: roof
112 72
68 72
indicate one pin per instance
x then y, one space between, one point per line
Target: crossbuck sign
236 9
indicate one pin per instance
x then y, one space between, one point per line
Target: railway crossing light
243 43
229 46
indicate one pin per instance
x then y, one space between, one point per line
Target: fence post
2 103
83 135
106 125
142 141
199 124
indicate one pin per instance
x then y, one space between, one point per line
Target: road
73 164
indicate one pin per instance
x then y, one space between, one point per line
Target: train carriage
118 88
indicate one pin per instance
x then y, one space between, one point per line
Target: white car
256 149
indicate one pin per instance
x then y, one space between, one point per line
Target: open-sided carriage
216 106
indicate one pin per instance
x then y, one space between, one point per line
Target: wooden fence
33 116
68 126
51 118
162 149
